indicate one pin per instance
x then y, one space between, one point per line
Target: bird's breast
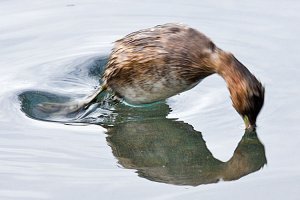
152 91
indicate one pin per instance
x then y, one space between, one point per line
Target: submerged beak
248 125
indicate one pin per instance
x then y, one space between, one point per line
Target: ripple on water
143 138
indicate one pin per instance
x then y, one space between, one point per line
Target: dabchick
156 63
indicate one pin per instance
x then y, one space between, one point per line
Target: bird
156 63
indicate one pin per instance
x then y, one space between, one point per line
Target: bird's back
153 64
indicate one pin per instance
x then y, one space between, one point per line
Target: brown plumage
156 63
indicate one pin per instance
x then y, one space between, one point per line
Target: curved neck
236 75
239 80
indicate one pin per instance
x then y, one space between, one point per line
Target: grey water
189 146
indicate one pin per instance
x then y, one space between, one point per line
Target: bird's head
249 102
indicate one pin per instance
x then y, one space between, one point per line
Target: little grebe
156 63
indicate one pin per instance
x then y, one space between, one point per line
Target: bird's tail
70 107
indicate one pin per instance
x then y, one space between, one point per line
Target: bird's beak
248 125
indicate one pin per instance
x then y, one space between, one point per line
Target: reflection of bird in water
169 151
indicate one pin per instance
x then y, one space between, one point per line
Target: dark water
190 146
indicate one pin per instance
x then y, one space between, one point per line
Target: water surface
190 146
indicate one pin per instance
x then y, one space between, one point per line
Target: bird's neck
238 78
233 71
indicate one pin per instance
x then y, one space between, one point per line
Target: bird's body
156 63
